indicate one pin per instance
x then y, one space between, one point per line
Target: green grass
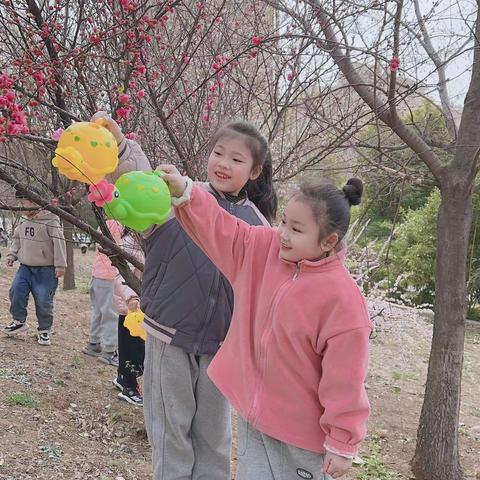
23 400
374 468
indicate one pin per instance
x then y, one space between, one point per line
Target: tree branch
116 254
414 141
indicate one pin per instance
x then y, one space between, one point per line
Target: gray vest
184 297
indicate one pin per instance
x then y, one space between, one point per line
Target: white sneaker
43 337
14 328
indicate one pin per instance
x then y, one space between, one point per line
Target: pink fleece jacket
294 361
102 267
122 293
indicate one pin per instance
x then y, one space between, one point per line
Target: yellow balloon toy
86 152
133 321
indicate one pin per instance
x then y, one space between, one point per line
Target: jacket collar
242 197
332 261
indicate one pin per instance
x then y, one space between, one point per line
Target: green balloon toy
137 200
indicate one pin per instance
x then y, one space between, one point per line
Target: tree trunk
69 278
436 455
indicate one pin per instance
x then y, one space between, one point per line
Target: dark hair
260 191
331 206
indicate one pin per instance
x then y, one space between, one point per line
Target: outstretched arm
223 237
130 155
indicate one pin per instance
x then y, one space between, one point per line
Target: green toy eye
116 195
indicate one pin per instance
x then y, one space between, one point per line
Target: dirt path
60 418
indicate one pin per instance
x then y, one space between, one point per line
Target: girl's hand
175 181
109 123
133 304
336 465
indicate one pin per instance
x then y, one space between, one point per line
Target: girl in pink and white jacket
131 350
295 359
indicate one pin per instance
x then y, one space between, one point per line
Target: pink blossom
123 112
18 116
6 81
9 95
13 128
394 64
45 31
95 39
124 98
57 134
39 77
127 5
256 40
140 94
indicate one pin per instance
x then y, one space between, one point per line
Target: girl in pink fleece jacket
294 361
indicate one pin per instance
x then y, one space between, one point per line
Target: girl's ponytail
261 192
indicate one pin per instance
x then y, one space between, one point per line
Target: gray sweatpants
186 417
104 319
263 457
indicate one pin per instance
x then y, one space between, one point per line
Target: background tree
401 33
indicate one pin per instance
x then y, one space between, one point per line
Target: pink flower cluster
394 64
13 120
128 5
